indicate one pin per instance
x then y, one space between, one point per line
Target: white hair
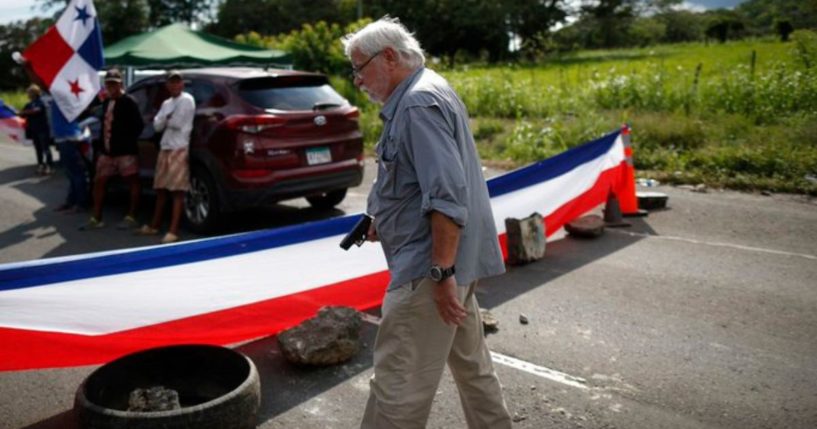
384 33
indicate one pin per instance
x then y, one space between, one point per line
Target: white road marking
530 368
720 244
538 370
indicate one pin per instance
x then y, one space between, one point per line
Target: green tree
270 17
16 36
765 14
446 27
784 29
724 25
682 25
117 18
647 31
531 21
610 21
314 47
164 12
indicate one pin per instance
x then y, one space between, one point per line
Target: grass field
740 115
700 113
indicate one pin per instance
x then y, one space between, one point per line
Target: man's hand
371 234
448 305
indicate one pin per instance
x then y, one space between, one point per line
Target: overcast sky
16 10
715 4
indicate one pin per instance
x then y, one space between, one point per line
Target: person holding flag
37 129
65 61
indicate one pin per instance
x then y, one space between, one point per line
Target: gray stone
526 239
590 226
331 337
489 323
152 399
519 417
523 319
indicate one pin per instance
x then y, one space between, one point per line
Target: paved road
700 316
31 229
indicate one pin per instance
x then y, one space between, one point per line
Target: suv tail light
253 124
353 114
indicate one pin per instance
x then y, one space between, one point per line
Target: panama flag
68 56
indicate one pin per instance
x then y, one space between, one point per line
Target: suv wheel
327 200
201 206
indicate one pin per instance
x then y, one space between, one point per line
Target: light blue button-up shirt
427 161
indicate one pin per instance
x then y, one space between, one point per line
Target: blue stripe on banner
166 256
552 167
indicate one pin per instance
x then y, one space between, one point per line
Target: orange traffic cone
626 195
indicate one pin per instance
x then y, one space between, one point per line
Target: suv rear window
290 93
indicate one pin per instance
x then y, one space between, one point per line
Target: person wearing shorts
175 118
118 150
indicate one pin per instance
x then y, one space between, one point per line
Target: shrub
314 47
805 47
671 133
487 128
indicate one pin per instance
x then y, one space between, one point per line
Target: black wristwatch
438 273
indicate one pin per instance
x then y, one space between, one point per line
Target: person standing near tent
175 118
37 129
118 151
431 214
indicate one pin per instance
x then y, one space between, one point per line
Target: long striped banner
96 307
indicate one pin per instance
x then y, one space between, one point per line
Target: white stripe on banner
108 304
112 303
547 197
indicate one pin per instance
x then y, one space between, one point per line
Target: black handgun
358 234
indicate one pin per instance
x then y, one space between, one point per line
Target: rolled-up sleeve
432 148
160 120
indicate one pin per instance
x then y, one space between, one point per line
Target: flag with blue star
68 57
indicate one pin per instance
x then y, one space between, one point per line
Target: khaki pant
411 350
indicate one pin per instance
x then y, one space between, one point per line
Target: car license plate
318 155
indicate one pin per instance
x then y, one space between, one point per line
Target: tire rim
197 201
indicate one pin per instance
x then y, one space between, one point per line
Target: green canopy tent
176 45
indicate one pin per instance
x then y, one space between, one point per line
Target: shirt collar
388 110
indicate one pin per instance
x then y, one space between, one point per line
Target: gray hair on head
386 32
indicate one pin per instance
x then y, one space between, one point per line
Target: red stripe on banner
26 349
48 55
503 245
609 181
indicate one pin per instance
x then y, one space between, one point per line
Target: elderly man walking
433 218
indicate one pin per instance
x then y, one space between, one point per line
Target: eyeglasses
356 71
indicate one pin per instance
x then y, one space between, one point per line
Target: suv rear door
303 116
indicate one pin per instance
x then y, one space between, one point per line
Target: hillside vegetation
741 115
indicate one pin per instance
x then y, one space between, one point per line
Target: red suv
259 136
